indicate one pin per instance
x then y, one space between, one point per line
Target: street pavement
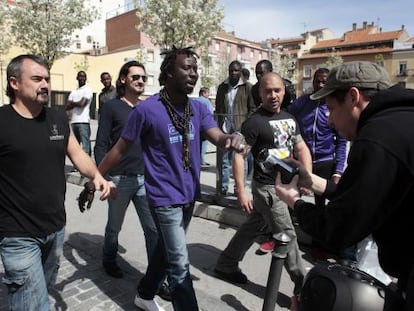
83 285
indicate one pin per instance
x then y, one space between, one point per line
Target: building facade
368 43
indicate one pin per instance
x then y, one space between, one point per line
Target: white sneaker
147 305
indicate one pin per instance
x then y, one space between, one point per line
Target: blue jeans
226 169
31 266
129 188
171 257
204 145
82 132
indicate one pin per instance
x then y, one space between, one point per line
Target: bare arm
304 155
233 141
81 103
238 173
290 193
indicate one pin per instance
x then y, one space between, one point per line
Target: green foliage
141 55
44 27
179 22
83 65
5 41
333 60
286 67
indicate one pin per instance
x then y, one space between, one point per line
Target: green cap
363 75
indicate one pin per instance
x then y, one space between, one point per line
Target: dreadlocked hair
169 60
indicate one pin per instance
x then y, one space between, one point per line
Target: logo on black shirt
55 133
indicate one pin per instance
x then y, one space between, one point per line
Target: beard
42 100
42 97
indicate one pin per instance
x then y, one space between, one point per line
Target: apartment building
391 49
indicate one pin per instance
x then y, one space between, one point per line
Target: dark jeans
171 257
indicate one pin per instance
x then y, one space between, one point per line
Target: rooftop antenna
304 27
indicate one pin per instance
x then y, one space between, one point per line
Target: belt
125 175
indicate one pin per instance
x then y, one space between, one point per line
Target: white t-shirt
81 114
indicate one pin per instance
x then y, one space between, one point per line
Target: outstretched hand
289 193
237 142
86 196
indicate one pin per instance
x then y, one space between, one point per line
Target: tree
179 22
4 33
44 27
286 67
333 60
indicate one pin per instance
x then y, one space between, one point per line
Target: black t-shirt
275 132
32 172
112 120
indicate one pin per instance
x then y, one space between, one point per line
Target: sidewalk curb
222 210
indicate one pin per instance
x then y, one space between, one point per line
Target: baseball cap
360 74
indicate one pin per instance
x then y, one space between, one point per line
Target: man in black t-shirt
274 130
34 142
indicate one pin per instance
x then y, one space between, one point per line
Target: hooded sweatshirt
375 194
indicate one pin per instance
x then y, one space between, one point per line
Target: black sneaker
237 277
164 292
112 269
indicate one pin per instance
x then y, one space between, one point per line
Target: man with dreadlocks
168 125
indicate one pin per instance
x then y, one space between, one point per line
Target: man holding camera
375 193
276 131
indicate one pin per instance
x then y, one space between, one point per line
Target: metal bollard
282 241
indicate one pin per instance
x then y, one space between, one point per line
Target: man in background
262 67
234 103
79 103
203 98
108 92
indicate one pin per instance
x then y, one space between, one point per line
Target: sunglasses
137 77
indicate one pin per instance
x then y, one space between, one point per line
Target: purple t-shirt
166 181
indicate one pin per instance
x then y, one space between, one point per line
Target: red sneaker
294 305
268 246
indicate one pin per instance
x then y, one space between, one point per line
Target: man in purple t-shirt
168 125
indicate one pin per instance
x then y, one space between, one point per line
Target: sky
257 20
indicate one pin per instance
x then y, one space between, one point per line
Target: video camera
270 163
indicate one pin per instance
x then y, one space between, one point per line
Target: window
150 80
307 71
307 87
78 45
228 49
251 54
403 69
217 46
239 52
89 39
150 56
